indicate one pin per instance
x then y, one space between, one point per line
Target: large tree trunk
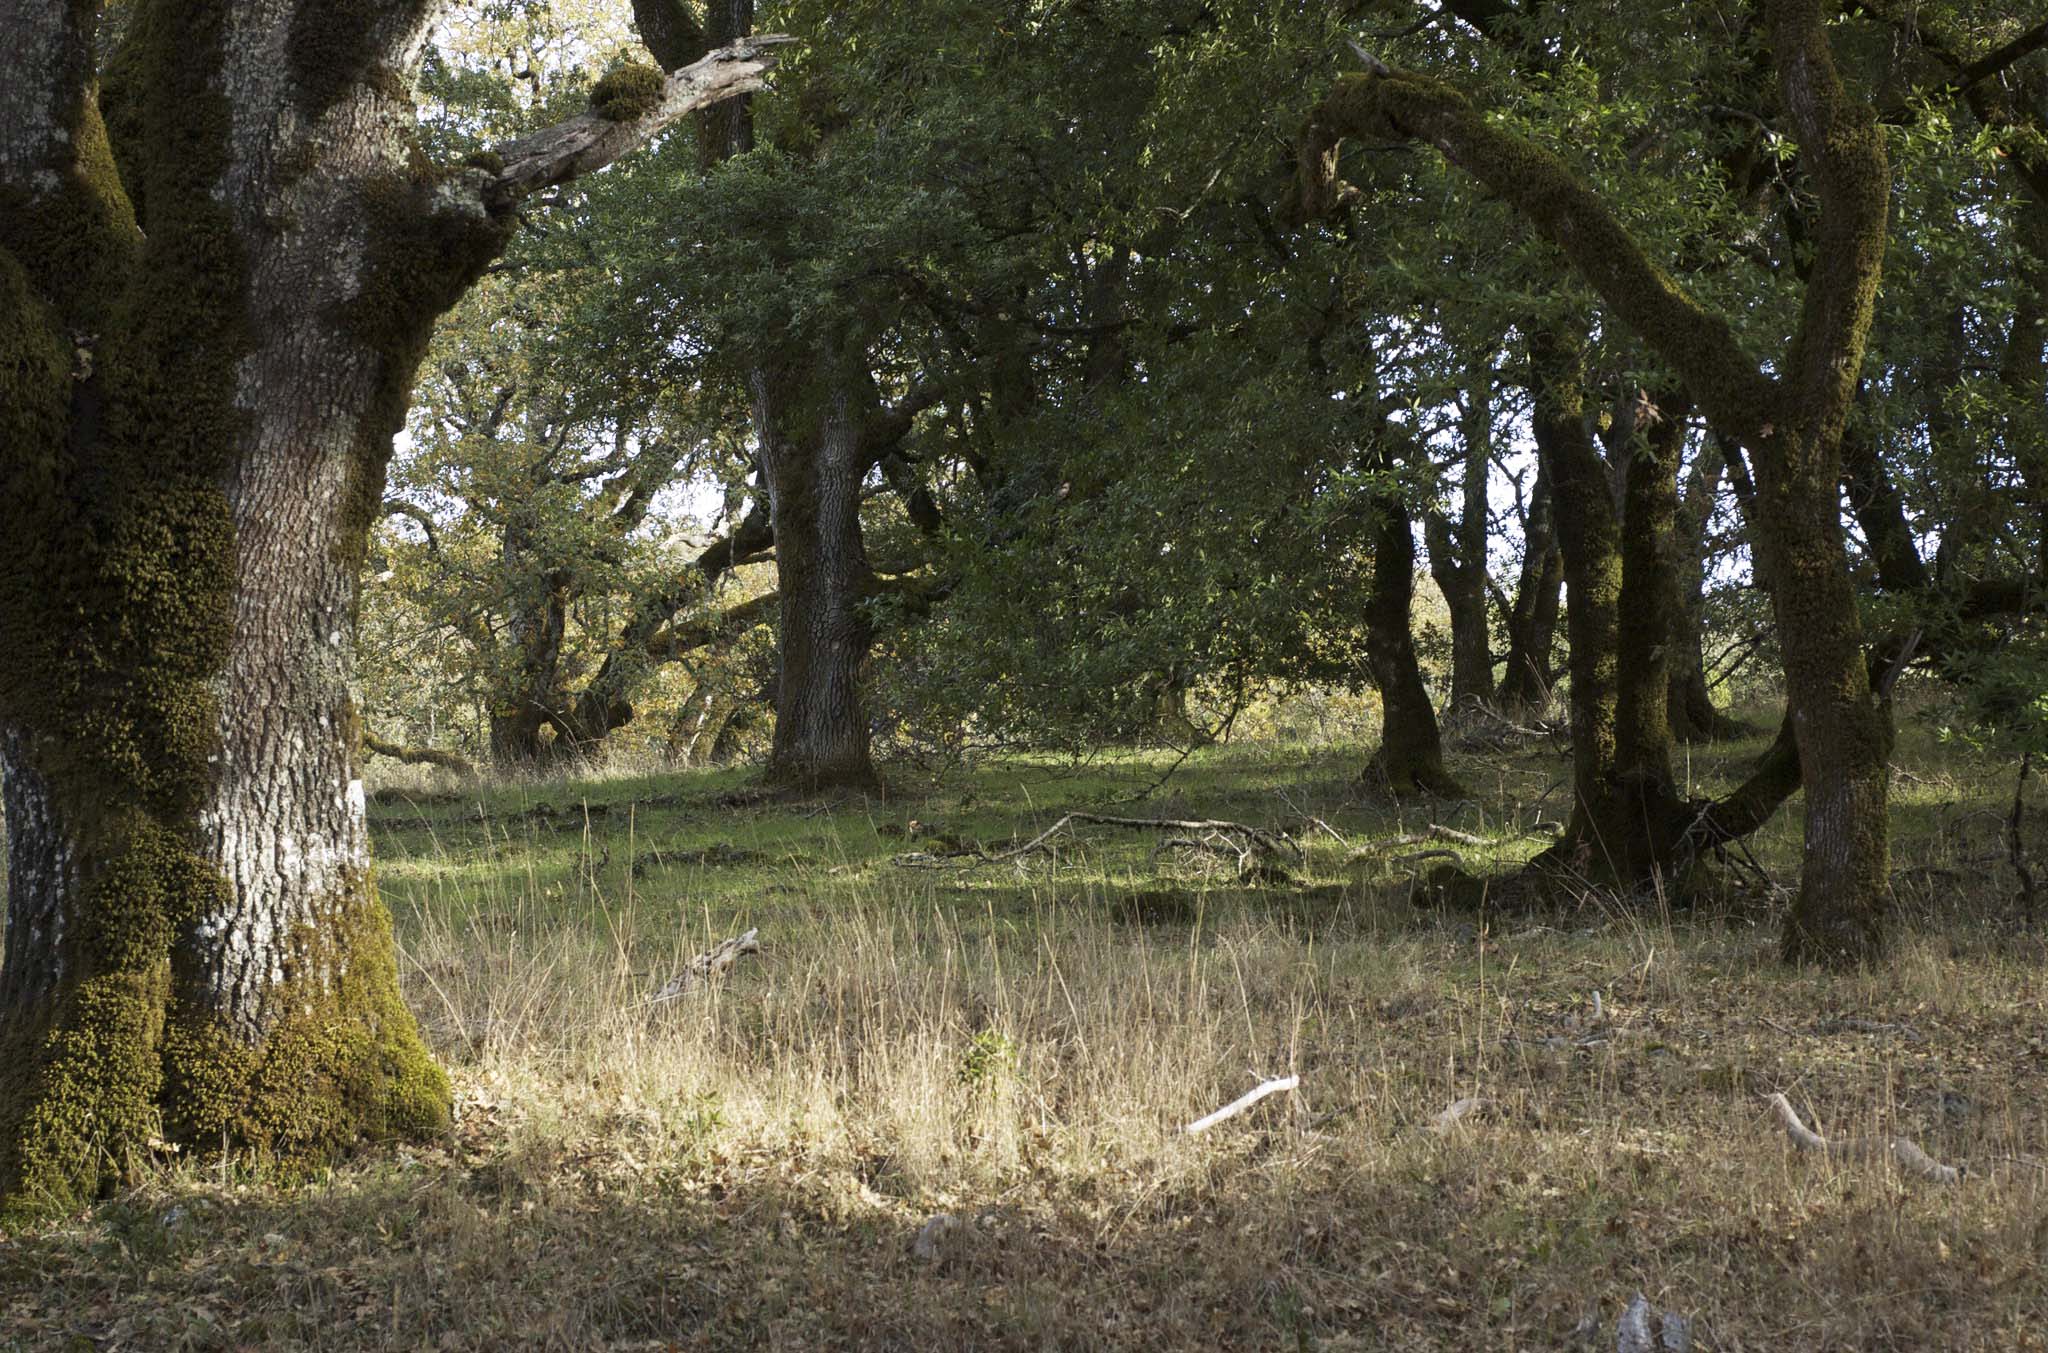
203 357
814 465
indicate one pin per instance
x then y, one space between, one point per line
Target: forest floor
1019 1044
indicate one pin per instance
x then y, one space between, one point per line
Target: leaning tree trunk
208 332
814 466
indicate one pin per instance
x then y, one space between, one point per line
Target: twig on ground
1243 1102
1904 1153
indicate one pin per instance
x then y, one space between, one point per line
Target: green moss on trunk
343 1065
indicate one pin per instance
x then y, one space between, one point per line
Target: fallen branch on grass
1435 832
708 967
1454 1117
1251 841
1419 856
1904 1153
1243 1102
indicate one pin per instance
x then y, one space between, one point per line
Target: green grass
1019 1045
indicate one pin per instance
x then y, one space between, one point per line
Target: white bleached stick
1243 1102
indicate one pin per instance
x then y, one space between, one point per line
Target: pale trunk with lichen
212 302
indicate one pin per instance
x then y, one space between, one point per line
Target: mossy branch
1399 106
592 140
418 756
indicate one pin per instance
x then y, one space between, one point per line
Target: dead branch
1254 841
1418 856
1243 1102
1904 1153
418 756
1454 1117
708 967
590 141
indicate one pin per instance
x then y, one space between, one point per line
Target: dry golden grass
1020 1048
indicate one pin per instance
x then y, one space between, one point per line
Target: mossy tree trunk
209 324
1791 419
1626 820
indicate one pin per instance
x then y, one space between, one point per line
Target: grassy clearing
1019 1046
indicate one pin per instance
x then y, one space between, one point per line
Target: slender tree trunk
1694 716
1410 758
1531 621
1457 552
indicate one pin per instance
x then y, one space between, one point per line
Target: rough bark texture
208 330
1791 421
814 463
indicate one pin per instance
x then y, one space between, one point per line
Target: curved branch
394 507
1697 343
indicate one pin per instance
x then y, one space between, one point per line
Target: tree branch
1696 342
394 507
429 756
590 141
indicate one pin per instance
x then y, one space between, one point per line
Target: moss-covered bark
1791 419
195 411
1627 822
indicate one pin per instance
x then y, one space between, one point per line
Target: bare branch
588 142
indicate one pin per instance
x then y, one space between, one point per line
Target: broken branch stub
708 967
